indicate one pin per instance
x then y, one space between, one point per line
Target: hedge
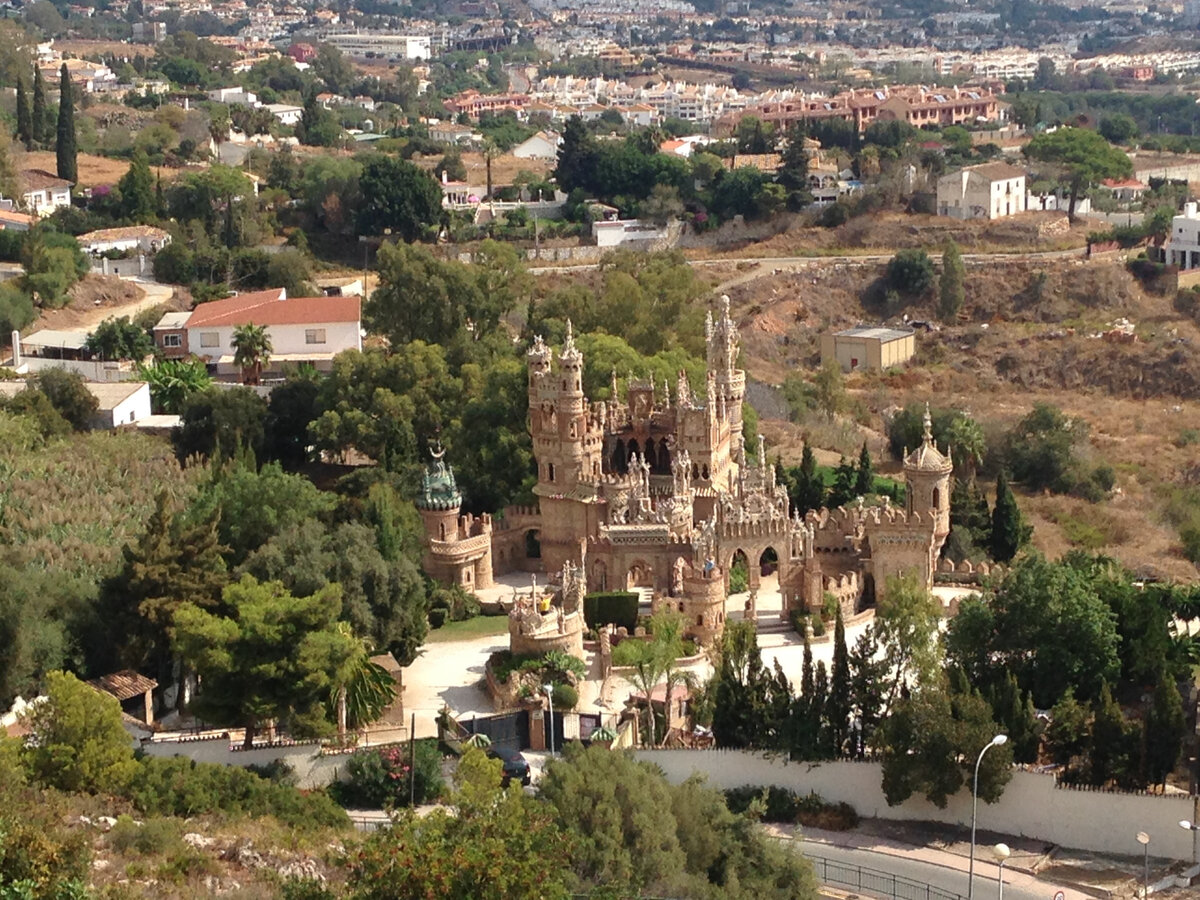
618 608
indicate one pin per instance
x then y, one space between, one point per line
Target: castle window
937 496
550 471
442 530
704 473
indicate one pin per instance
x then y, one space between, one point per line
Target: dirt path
81 316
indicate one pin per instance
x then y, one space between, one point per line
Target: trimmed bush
618 608
437 617
776 804
564 697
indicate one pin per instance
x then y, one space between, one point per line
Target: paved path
938 868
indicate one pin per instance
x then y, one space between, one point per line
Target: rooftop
49 337
124 684
275 308
996 171
131 232
40 180
876 332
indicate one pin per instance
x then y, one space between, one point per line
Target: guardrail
873 881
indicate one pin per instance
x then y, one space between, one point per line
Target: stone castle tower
458 549
927 474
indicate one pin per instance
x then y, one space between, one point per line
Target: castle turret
927 473
721 337
440 499
458 549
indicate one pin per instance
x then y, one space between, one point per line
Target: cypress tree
864 479
1008 531
1163 731
950 289
1108 747
837 709
824 748
809 491
24 115
64 148
41 118
137 189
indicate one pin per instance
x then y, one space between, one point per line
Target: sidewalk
1033 865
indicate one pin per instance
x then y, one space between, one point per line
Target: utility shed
868 347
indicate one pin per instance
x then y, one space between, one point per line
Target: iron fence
873 881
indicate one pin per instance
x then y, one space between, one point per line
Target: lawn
480 626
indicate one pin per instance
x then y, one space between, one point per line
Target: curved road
953 880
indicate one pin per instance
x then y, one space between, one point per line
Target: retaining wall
1032 806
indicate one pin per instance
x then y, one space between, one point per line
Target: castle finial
569 351
927 422
614 384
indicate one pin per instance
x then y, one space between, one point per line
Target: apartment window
314 335
210 339
172 340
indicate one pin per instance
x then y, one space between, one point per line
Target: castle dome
438 488
927 457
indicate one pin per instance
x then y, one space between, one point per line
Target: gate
508 731
557 722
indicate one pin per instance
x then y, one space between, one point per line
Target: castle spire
927 423
570 351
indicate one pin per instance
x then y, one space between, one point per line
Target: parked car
515 765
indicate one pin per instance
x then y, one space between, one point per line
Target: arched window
937 497
550 471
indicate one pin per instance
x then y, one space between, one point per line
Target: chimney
16 342
1189 209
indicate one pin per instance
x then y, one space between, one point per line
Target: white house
632 232
42 193
234 96
1183 247
285 113
117 403
543 145
990 191
302 329
134 238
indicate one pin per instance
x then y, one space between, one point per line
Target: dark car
515 765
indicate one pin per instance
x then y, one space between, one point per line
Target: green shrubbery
776 804
618 608
379 776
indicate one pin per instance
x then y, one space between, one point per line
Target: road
949 878
791 262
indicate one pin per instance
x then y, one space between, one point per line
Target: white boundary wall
313 770
1032 806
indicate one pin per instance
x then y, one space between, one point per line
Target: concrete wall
312 769
91 370
285 339
1032 805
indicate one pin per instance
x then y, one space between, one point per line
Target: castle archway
640 574
619 461
634 449
598 581
651 455
737 570
533 544
664 459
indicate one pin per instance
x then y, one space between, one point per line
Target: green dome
438 490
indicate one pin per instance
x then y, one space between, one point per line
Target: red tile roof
124 684
268 308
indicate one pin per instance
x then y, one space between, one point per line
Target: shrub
910 272
379 776
564 697
829 606
618 608
437 618
739 576
798 618
1190 536
154 837
776 804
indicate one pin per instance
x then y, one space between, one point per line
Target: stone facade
655 489
551 618
458 549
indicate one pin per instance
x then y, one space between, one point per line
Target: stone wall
313 768
1033 805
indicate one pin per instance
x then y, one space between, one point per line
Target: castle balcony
461 551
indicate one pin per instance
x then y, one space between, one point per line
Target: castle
658 491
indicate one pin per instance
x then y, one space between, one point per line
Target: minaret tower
721 337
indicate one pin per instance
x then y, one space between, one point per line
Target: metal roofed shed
869 347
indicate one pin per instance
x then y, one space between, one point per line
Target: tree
421 297
838 706
830 388
64 148
793 164
930 744
576 156
24 115
950 288
118 339
68 393
864 477
318 127
1009 532
809 490
1118 128
77 741
252 348
492 844
451 167
268 655
910 272
41 115
867 687
490 152
662 205
398 195
744 694
1163 730
906 624
1112 742
138 202
1067 734
219 423
1084 156
173 381
53 263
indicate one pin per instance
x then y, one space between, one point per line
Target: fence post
894 886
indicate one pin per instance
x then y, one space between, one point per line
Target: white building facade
990 191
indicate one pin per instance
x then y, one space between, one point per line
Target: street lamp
548 690
997 741
1144 840
1002 853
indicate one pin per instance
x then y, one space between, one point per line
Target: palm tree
218 129
251 351
361 689
648 669
490 152
967 443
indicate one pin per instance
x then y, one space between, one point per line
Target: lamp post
1194 829
997 741
1002 853
1144 840
548 690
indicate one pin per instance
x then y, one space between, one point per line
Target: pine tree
866 687
864 479
837 709
950 290
824 746
1008 529
1108 745
41 115
809 488
64 149
576 155
24 115
1163 730
138 201
843 484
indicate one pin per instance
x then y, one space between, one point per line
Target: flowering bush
380 776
